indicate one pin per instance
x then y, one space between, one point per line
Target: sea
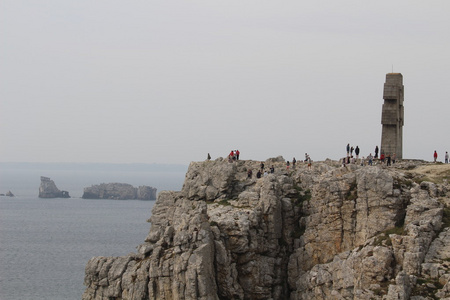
45 244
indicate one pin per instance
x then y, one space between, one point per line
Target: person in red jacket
435 155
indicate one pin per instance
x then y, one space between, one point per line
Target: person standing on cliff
249 173
348 149
357 152
376 152
351 151
446 157
287 165
435 155
209 157
370 158
293 162
237 154
262 166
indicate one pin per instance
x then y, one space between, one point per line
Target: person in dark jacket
357 152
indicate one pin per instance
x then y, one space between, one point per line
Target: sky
171 81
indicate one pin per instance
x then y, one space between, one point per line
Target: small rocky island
8 194
48 189
119 191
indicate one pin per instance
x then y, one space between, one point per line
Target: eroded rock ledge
331 232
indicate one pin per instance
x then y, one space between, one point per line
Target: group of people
435 156
350 159
294 161
261 172
233 156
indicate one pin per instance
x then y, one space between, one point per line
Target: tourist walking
376 152
237 154
435 155
446 157
370 158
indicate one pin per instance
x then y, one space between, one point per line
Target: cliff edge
329 232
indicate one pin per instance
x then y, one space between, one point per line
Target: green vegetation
224 202
299 230
302 196
426 287
383 238
352 193
446 218
400 183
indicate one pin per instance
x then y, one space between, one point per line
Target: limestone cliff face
119 191
331 232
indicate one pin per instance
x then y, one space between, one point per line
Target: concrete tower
392 116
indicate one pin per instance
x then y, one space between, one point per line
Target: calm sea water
46 243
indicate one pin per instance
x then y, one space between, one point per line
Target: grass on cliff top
435 173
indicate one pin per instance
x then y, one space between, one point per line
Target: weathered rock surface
329 232
48 189
119 191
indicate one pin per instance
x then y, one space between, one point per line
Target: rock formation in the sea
330 232
119 191
9 194
48 189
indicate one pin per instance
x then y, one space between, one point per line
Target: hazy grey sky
170 81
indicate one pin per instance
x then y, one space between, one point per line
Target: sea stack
48 189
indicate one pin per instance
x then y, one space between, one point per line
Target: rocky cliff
329 232
48 189
119 191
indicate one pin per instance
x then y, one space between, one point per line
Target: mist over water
46 243
23 179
